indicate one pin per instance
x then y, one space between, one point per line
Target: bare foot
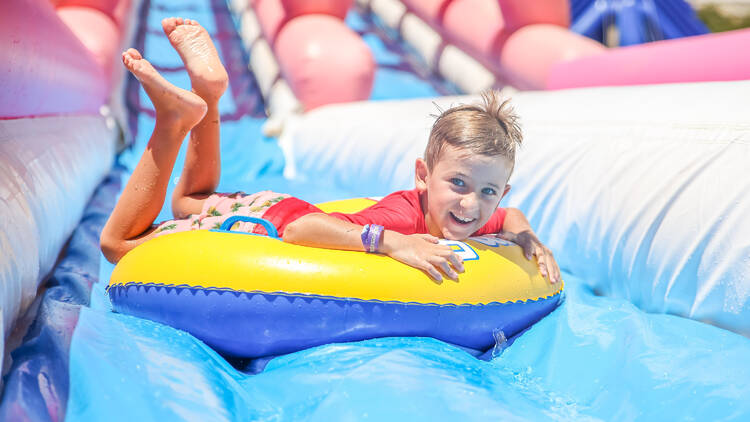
192 42
180 106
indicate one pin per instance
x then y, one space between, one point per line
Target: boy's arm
419 250
516 228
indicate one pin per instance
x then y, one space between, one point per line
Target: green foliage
717 21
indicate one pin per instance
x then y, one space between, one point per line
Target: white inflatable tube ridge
641 191
451 62
278 96
49 167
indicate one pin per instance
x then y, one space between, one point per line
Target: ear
505 191
421 173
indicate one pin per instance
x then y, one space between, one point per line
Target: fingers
531 247
456 261
511 237
443 265
428 237
547 265
528 243
553 267
445 261
431 271
529 251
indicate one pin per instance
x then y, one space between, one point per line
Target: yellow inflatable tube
242 276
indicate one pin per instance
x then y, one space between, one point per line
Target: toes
134 54
169 24
130 56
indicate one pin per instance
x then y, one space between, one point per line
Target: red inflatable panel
45 69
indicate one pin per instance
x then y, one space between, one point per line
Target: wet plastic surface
592 359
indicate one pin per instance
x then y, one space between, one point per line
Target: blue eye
458 182
489 191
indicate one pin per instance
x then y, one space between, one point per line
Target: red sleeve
495 223
284 212
399 211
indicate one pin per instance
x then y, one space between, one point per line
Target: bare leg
209 80
177 111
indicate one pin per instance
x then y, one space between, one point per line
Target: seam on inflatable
220 290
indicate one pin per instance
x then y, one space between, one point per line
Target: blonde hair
489 128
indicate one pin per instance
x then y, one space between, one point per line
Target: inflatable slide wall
58 131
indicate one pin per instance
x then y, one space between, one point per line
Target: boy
459 183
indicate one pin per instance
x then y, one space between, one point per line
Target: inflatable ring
252 296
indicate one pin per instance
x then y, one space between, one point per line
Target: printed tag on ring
461 249
492 241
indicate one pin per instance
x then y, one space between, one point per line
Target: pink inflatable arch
528 55
335 8
46 69
529 46
98 33
324 61
517 41
116 9
482 37
430 11
713 57
273 14
520 13
271 17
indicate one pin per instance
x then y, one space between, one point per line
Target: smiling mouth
462 221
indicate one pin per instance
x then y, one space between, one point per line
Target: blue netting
637 21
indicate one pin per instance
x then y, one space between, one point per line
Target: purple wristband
371 235
363 236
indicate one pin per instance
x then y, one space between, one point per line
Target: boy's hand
531 246
422 251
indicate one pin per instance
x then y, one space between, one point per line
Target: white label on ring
491 241
461 249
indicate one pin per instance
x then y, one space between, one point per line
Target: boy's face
462 191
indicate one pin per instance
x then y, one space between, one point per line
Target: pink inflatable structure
531 47
712 57
47 69
322 60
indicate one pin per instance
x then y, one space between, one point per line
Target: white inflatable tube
49 167
641 191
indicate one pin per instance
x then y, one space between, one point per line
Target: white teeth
463 220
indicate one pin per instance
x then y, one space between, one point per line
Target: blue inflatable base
257 324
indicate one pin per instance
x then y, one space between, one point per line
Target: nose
469 202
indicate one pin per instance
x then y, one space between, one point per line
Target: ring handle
270 228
